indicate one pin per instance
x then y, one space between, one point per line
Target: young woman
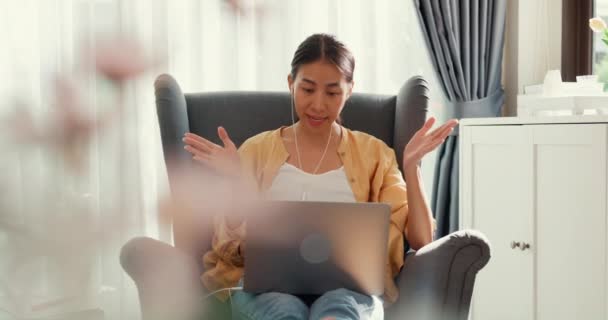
317 159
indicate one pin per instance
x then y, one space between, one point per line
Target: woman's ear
290 83
350 89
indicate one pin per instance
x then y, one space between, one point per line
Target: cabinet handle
525 246
515 244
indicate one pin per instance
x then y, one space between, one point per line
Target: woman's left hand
424 141
225 160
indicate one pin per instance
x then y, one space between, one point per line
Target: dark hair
322 46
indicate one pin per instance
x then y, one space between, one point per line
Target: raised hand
224 160
424 141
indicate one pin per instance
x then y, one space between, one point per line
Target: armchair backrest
391 118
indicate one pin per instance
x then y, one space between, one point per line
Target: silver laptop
309 248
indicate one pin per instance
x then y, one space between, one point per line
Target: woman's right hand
225 160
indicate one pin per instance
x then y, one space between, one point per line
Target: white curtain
206 46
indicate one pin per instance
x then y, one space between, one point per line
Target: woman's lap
338 304
272 305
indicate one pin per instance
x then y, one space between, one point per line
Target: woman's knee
343 295
343 304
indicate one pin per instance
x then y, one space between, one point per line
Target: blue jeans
340 304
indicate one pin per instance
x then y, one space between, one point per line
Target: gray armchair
436 281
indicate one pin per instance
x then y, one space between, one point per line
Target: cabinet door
496 198
570 206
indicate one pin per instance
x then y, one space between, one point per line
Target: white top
293 184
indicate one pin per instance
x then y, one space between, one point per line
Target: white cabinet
537 190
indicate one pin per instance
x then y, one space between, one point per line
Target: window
577 45
599 48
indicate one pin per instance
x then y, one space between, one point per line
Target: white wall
533 45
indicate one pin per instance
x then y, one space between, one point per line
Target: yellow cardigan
373 175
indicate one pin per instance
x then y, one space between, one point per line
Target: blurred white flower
597 24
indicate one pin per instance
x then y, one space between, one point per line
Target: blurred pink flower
21 125
68 129
198 195
236 6
242 7
121 58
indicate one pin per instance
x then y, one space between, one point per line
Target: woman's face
320 91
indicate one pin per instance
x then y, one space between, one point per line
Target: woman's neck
309 136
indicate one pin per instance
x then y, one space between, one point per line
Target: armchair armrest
167 279
437 280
